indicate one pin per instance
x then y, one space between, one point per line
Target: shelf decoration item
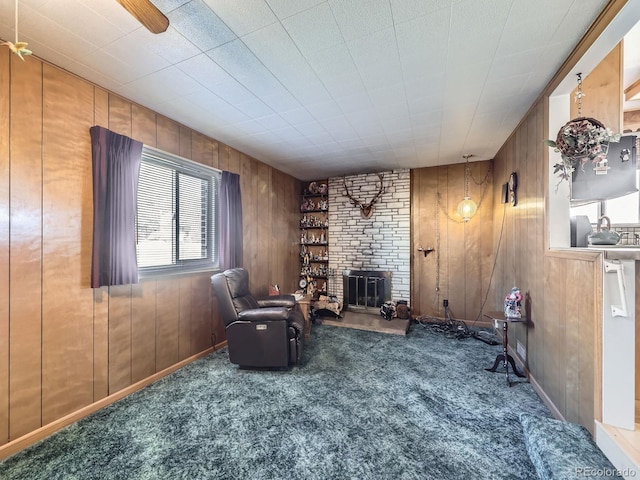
512 304
581 140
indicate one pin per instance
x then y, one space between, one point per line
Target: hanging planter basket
581 140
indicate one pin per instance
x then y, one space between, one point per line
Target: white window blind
176 217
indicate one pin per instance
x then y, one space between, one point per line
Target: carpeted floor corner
363 405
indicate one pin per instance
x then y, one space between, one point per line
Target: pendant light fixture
467 208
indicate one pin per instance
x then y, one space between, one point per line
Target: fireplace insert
363 289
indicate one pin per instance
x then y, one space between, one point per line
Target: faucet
624 238
600 226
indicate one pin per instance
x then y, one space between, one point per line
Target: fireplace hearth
365 289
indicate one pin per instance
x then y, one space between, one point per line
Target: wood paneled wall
562 290
462 257
63 345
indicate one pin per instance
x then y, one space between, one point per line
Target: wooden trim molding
536 386
632 91
35 436
545 399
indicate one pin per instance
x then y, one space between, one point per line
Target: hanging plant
579 141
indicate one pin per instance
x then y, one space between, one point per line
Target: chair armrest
266 314
288 301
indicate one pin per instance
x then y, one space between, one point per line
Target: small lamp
467 208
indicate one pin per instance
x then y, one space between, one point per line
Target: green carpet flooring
363 405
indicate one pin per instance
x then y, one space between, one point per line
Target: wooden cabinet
314 238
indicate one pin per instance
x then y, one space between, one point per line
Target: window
623 210
175 220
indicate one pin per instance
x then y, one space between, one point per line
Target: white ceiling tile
114 15
250 127
214 105
243 17
310 128
356 102
105 63
204 70
314 29
166 6
287 8
344 85
233 92
324 110
171 45
198 24
426 86
272 122
59 38
517 64
272 45
425 35
332 62
388 95
165 85
311 91
239 62
379 76
88 23
254 108
297 115
281 101
143 60
407 10
378 47
394 114
321 138
357 18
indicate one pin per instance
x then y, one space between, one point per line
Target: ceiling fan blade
147 14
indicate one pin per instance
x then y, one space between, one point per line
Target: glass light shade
467 208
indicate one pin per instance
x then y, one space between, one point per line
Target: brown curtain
116 167
230 221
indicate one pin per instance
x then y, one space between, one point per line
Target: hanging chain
485 185
579 95
467 171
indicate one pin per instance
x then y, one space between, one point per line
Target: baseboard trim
545 399
30 438
536 386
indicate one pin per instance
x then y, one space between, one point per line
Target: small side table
304 304
504 357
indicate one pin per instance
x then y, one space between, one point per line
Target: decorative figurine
512 303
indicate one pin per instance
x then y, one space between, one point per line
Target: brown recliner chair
260 333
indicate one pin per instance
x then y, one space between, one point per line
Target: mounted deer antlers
366 210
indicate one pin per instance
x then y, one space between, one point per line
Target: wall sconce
467 208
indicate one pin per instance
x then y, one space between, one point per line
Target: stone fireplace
376 250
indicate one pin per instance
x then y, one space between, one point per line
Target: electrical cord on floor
453 328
